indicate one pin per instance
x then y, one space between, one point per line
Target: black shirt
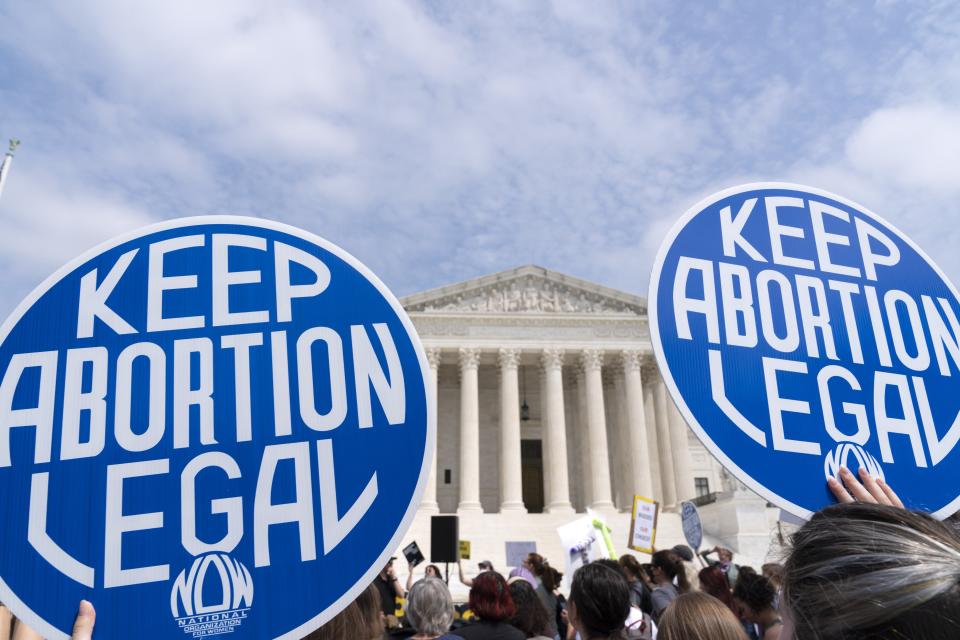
388 602
486 630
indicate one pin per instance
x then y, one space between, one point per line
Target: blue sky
442 141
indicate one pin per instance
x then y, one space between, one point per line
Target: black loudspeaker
444 538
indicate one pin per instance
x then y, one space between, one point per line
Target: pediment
529 289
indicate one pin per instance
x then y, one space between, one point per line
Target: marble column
680 444
668 477
469 431
597 430
649 409
582 445
511 482
639 452
555 434
429 502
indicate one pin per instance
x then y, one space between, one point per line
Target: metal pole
7 161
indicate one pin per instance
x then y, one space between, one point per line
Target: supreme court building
549 402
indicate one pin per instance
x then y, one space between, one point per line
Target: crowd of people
863 569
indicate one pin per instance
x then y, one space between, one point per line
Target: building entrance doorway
531 463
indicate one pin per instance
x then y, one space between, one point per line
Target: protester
599 603
638 625
362 619
430 610
724 561
773 571
754 594
547 582
714 582
699 616
491 602
430 571
666 567
484 565
531 616
639 591
867 569
389 587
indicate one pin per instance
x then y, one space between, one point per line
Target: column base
513 508
603 505
559 507
429 507
469 507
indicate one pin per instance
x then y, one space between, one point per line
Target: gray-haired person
430 610
870 569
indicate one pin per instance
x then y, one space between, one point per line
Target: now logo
192 586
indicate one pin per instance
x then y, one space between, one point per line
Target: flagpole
7 161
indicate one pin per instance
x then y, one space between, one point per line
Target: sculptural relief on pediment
529 294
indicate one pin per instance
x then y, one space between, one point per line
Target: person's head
755 595
699 616
714 582
724 554
429 607
667 567
631 567
859 571
773 571
551 578
683 552
490 598
387 567
432 571
361 619
485 565
599 601
531 616
535 562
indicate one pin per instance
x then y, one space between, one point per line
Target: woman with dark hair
430 571
491 602
666 567
639 591
599 602
531 618
713 581
754 594
547 584
868 569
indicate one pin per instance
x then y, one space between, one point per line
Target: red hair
714 582
490 598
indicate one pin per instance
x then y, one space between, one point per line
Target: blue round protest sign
799 332
215 425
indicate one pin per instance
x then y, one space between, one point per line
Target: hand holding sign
873 490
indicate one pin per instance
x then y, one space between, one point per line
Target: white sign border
654 327
41 626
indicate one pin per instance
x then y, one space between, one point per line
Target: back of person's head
699 616
531 616
672 566
551 578
362 619
429 607
600 599
754 592
536 563
630 566
714 582
490 598
773 571
864 571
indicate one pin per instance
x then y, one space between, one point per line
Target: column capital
469 358
591 359
433 356
632 360
552 359
508 358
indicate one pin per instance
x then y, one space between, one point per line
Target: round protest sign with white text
799 332
199 429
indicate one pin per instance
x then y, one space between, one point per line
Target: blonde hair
361 619
699 616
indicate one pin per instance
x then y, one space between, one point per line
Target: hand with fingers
866 489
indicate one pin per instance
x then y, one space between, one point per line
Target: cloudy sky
441 141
